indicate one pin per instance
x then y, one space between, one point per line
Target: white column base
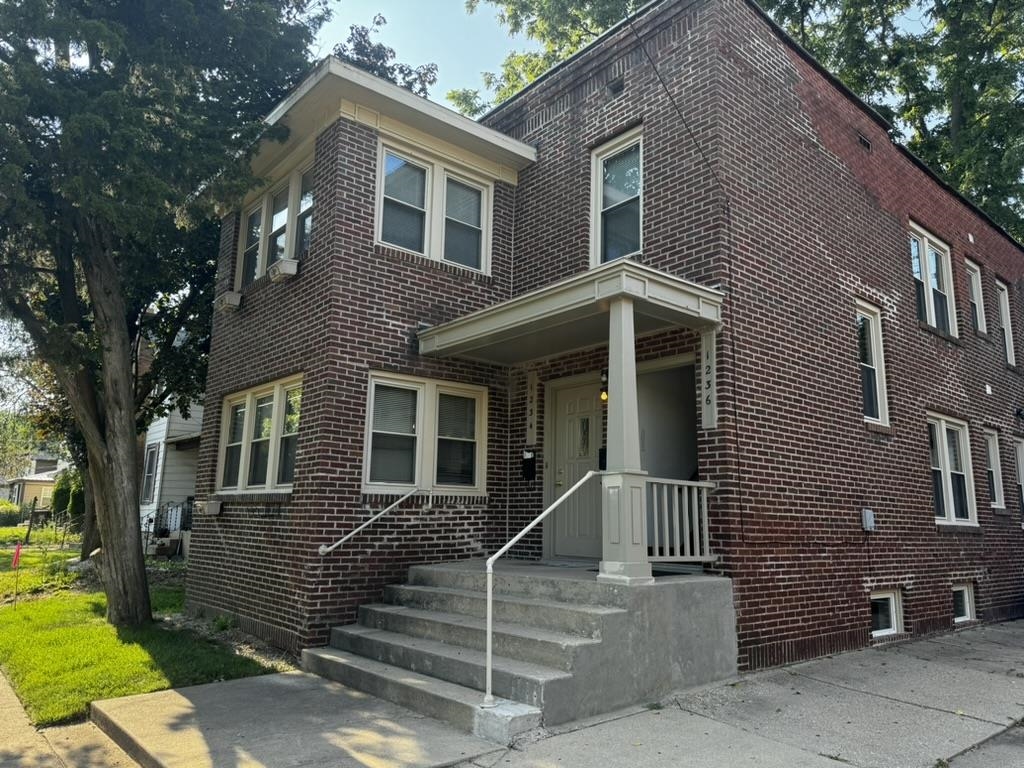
626 574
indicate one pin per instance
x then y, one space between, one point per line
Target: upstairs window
427 434
278 226
993 469
259 437
952 485
617 205
974 287
933 281
432 210
1005 323
872 363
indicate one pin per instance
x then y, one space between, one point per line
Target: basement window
963 603
886 614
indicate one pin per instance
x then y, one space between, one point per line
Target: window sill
422 259
1013 369
879 429
254 497
890 637
999 510
427 494
984 336
936 332
958 527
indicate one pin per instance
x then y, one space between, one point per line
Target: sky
438 31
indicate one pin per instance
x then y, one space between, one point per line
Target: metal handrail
488 695
326 550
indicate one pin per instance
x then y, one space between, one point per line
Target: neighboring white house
168 483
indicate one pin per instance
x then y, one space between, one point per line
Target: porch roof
573 314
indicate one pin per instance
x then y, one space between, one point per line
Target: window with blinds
425 433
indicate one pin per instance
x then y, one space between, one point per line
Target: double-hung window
993 469
423 433
952 484
149 473
259 437
977 296
933 280
277 226
1004 321
872 363
617 199
430 209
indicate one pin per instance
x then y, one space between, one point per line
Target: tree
949 74
17 442
124 121
378 59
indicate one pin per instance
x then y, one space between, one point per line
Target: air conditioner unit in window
282 270
228 300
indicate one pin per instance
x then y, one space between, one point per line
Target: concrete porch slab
278 721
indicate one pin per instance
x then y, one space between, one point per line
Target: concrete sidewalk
952 700
22 746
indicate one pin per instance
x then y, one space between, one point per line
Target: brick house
687 259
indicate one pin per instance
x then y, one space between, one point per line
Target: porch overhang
573 314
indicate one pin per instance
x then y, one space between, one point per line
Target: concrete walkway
955 700
67 746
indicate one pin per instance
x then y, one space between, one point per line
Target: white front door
577 523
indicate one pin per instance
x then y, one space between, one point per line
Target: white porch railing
488 693
677 521
326 550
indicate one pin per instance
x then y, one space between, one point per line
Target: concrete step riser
392 689
558 590
557 618
461 672
494 724
524 648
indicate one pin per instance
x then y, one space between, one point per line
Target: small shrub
10 513
223 623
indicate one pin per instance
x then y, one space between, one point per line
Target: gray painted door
577 440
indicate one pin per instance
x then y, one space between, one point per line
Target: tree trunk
123 569
90 531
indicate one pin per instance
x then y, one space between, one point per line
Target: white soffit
315 103
573 314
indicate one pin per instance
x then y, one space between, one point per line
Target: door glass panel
583 446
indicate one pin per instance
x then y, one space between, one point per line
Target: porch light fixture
604 386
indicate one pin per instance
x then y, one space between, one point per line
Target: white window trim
992 449
927 238
293 181
968 590
1006 322
249 397
434 203
944 422
976 293
597 158
426 435
154 450
896 612
1018 451
874 317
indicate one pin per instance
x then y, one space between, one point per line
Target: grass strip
60 654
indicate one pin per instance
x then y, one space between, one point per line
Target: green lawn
59 654
42 569
14 534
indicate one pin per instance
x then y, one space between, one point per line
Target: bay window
277 226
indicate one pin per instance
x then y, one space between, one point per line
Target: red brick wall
760 188
818 221
353 308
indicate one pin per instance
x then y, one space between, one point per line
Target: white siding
175 469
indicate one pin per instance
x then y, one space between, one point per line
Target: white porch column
623 491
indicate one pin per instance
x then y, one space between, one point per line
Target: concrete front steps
565 646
